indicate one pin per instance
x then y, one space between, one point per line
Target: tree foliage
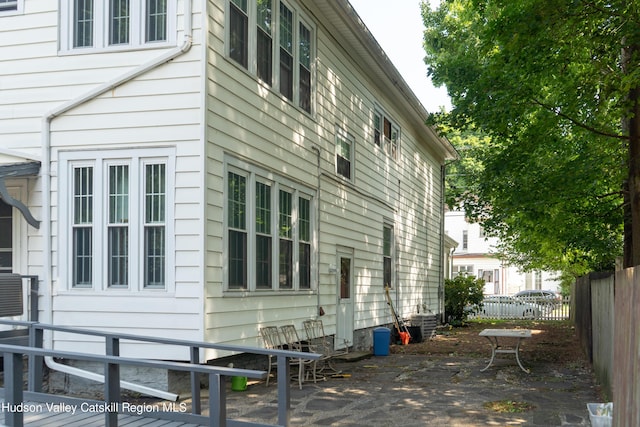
541 102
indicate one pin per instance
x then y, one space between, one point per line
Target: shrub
461 295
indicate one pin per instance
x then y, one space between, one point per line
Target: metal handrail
112 344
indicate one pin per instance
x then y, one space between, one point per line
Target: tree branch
577 123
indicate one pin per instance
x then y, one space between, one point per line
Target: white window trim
379 111
100 161
17 11
252 174
341 133
101 32
252 65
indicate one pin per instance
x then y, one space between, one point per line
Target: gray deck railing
112 360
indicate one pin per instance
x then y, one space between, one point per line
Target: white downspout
46 197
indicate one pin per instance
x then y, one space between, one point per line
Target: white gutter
46 196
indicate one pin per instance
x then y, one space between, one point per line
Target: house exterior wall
477 255
156 114
249 122
203 116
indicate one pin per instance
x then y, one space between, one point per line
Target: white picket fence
529 308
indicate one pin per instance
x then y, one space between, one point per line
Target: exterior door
344 313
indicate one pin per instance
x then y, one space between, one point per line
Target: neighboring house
199 169
475 254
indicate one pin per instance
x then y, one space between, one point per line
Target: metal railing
112 360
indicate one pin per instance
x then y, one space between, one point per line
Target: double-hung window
386 134
387 253
344 154
118 221
90 25
274 41
269 231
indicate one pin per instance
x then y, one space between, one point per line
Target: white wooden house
477 254
199 169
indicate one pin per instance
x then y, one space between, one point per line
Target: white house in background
475 254
201 168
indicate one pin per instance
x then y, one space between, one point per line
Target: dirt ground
551 341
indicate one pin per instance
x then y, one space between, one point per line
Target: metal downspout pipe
46 197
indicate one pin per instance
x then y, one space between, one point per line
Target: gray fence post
284 391
36 340
13 417
217 401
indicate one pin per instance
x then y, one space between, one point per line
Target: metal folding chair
293 342
321 343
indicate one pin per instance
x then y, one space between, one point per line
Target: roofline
380 57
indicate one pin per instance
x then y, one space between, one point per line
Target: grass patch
508 406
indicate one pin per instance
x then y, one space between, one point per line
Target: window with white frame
386 134
90 25
11 6
387 253
118 221
274 41
268 231
465 270
345 146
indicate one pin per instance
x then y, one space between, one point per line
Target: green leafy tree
461 293
553 85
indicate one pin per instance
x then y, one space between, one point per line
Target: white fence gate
519 308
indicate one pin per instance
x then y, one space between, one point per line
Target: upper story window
10 6
386 134
89 25
345 146
272 40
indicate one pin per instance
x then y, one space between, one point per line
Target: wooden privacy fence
626 342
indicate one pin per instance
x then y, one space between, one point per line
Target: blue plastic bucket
381 341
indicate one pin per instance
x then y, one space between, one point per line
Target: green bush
462 294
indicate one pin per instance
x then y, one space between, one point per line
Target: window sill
266 293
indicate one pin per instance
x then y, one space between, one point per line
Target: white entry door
344 315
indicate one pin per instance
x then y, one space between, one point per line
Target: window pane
156 29
119 22
118 256
154 255
83 195
82 226
377 131
82 23
118 194
154 232
237 260
238 33
6 238
236 201
286 264
8 5
263 208
265 41
286 52
155 193
304 219
82 256
285 214
345 278
263 262
305 68
387 241
305 265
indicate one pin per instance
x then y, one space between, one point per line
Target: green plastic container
238 383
